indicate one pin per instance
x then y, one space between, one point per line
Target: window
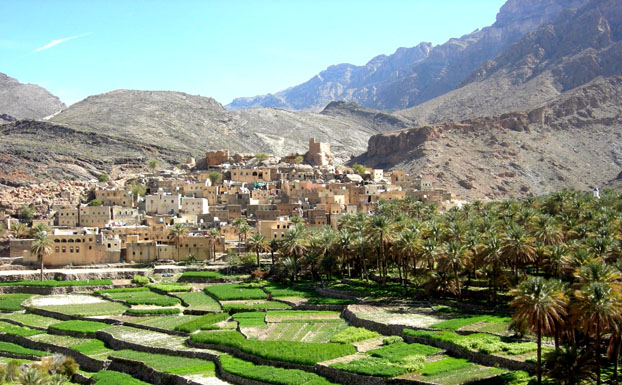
64 249
71 249
77 249
57 249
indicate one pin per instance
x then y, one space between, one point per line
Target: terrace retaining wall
140 370
47 290
480 358
85 362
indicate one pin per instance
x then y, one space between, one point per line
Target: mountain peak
26 101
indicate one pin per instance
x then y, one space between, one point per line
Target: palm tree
242 228
19 230
178 233
378 230
294 244
541 304
39 227
213 234
258 243
452 259
41 247
32 376
409 245
517 247
491 256
598 309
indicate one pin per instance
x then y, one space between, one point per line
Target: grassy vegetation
372 366
353 334
270 374
457 323
235 291
91 347
165 322
140 296
22 331
52 283
30 319
199 301
447 364
90 309
201 274
205 322
303 316
329 301
250 319
140 279
169 364
266 305
279 290
88 327
170 287
13 302
397 351
8 347
296 352
320 332
109 377
483 343
164 310
472 375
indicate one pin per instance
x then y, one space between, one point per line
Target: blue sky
222 49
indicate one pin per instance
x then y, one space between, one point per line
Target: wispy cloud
56 42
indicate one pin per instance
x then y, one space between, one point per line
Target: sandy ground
64 299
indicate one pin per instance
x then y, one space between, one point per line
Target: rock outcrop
25 101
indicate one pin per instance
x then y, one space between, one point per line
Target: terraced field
232 321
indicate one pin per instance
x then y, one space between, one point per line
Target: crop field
234 291
319 332
303 316
205 322
270 374
148 338
201 275
108 377
87 327
170 287
140 296
13 302
9 347
198 300
30 319
169 364
256 305
250 319
22 331
165 322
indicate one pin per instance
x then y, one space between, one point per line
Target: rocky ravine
574 141
411 76
25 101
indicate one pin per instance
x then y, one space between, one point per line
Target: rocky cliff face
573 141
414 75
25 101
558 57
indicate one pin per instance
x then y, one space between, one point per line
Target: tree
215 177
295 244
541 304
298 159
452 259
39 227
41 247
213 234
19 230
379 231
242 228
258 243
103 177
261 156
359 169
137 189
152 165
26 214
517 247
95 202
177 233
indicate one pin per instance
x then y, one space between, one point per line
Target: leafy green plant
140 279
353 334
103 177
296 352
392 340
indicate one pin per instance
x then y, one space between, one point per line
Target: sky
221 49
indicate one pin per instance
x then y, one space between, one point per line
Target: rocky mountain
127 127
25 101
414 75
573 141
578 47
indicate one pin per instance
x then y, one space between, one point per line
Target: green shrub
88 327
353 334
140 279
372 366
205 322
270 374
250 319
52 283
235 291
392 340
15 330
295 352
109 377
9 347
445 365
169 364
13 302
397 351
170 287
103 177
164 310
